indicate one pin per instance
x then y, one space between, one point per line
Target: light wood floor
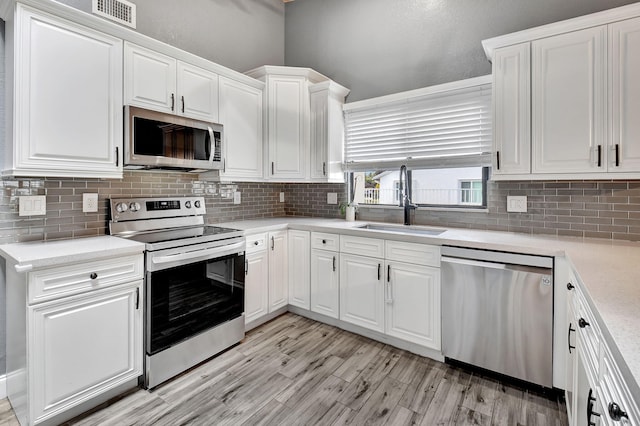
294 371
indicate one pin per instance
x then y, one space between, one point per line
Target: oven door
192 297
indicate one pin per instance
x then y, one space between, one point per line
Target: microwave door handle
212 144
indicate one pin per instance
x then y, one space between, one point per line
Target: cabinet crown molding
310 74
555 28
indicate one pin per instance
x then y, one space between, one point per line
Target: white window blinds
440 126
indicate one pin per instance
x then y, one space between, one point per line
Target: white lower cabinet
299 268
256 291
398 294
412 298
596 391
362 291
266 279
325 278
83 345
76 340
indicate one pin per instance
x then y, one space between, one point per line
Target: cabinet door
568 83
362 291
412 296
278 270
327 135
197 90
571 356
299 248
68 99
511 110
241 109
325 291
82 346
624 38
256 295
288 103
150 79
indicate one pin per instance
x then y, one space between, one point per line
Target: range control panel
124 209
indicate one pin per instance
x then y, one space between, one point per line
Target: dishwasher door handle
492 265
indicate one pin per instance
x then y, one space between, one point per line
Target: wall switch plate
332 198
237 197
282 197
32 205
89 202
517 204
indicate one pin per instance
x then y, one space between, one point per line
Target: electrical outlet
332 198
32 205
237 197
282 197
89 202
517 204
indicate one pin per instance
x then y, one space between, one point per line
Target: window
454 187
441 133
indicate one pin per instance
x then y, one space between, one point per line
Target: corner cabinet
65 81
302 124
162 83
585 78
74 338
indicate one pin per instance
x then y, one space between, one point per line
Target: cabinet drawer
362 246
256 243
52 283
324 241
614 390
588 330
420 254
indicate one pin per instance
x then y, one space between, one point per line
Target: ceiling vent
120 11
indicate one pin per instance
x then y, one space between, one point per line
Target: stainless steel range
194 281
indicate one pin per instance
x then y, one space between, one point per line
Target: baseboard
3 386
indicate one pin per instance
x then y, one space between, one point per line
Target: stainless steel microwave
157 140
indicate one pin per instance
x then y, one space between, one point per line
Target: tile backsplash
600 209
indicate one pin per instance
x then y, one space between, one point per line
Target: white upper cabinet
241 115
287 127
304 125
584 99
67 94
568 102
511 110
624 52
327 131
162 83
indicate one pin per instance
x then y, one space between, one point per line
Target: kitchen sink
403 229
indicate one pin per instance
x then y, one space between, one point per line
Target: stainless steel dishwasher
497 312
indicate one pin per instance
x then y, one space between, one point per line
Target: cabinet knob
93 276
616 413
324 241
582 323
255 243
570 286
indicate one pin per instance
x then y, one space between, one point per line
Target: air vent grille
120 11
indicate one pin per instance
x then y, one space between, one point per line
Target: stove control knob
187 204
134 207
197 204
122 207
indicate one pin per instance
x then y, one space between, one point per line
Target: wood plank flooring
295 371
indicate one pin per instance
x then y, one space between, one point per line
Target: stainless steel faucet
405 198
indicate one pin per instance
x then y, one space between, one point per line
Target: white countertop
38 254
608 270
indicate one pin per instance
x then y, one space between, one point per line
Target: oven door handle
206 253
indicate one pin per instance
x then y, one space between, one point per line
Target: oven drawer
256 243
53 283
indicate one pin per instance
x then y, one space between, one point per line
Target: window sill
423 208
